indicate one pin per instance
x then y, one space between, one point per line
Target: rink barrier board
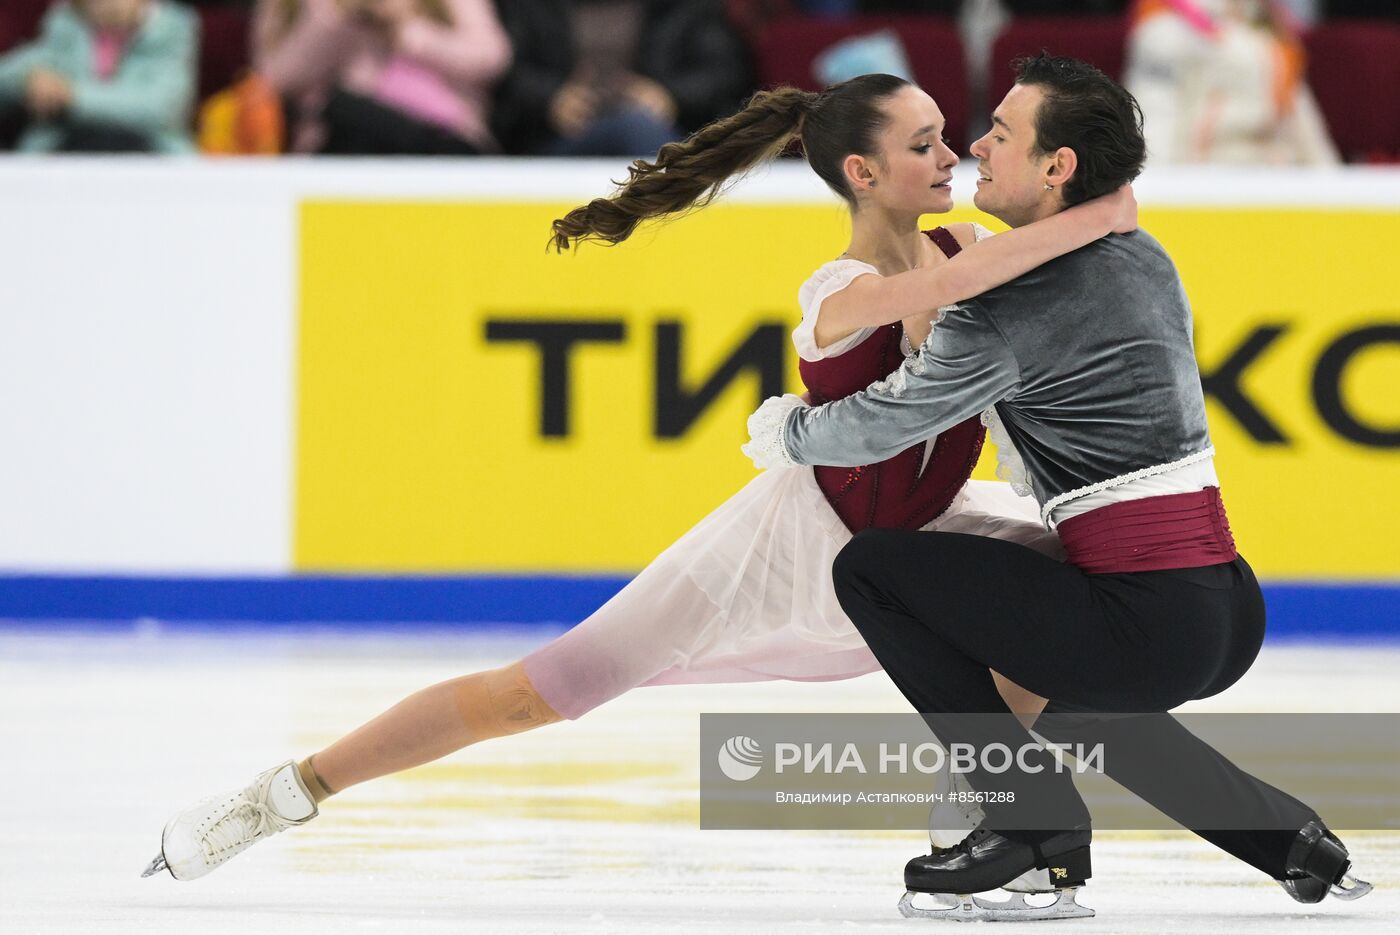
535 413
162 428
1353 612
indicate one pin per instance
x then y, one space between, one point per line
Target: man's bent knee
859 556
857 570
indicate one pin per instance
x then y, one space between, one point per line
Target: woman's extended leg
646 627
653 624
427 725
663 621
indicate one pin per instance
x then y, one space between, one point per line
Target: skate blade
1350 888
1016 908
155 866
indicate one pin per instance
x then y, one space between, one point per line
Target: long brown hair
845 118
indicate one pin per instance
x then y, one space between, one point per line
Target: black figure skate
1318 864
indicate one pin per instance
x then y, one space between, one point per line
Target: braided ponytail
846 118
689 174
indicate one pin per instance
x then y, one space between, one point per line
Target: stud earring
1049 187
872 183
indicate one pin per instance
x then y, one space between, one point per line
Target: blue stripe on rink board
1297 610
349 599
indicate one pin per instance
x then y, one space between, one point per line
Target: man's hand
573 108
650 97
348 7
48 93
387 15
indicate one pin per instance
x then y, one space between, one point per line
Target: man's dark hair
1093 115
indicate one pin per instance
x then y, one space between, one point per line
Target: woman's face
119 15
914 167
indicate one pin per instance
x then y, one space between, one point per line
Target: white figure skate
207 835
954 818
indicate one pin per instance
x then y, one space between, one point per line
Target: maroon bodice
893 494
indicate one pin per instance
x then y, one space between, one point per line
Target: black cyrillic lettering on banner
1224 384
1327 386
763 352
555 340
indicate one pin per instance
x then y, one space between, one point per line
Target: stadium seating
19 21
751 17
1353 64
223 47
788 46
1354 70
1099 40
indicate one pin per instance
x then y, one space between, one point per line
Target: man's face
1012 173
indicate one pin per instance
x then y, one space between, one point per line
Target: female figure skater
747 593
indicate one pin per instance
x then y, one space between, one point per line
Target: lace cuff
1010 467
767 447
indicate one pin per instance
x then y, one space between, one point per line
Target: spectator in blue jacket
106 76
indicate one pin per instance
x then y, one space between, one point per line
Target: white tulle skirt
747 595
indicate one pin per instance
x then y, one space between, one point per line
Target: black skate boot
1318 863
986 860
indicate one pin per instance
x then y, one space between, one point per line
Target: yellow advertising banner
469 402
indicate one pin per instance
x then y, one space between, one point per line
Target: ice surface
580 827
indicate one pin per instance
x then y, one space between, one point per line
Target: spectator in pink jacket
383 77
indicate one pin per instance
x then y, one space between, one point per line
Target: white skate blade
154 867
967 908
1350 888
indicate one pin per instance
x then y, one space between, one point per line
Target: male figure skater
1089 363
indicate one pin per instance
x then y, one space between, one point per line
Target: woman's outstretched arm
871 301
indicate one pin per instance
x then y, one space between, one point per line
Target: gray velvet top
1088 360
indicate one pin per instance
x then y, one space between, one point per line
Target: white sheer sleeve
767 425
824 283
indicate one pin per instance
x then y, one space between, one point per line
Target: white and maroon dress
746 594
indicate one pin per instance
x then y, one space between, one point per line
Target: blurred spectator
829 7
857 7
751 17
616 77
876 53
930 7
1305 12
383 77
1064 7
106 76
1221 81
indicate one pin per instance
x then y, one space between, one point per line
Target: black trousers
939 610
360 126
76 136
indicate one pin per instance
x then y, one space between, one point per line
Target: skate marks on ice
587 827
